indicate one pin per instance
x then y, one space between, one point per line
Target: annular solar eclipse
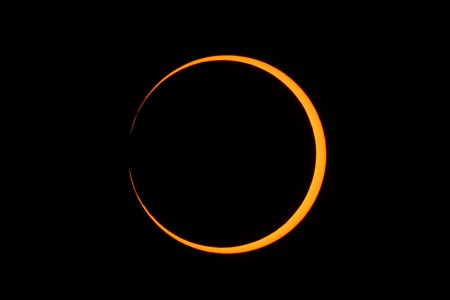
319 167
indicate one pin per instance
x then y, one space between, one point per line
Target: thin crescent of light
319 169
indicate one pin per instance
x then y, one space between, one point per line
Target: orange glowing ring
319 170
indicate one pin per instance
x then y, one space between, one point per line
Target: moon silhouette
319 169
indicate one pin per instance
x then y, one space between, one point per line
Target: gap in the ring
222 154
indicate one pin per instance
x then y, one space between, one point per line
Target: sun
319 168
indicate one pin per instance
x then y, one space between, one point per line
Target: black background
374 230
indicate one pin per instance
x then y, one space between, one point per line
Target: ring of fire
319 169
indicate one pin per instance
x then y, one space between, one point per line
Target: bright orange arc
319 169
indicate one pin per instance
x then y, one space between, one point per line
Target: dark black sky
374 230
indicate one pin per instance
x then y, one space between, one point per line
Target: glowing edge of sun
319 170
